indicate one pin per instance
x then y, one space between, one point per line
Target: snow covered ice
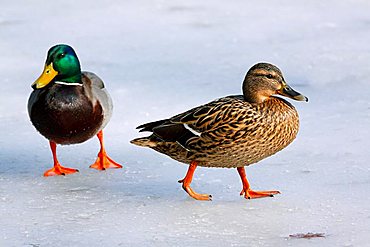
159 58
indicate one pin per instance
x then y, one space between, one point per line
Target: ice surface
159 58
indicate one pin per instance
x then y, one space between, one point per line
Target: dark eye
269 76
61 55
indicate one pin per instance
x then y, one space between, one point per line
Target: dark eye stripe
265 75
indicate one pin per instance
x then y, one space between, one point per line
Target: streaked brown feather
233 132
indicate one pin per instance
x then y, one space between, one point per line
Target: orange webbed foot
187 181
59 170
193 194
251 194
104 162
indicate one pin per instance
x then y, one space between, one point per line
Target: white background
159 58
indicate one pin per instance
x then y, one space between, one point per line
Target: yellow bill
46 77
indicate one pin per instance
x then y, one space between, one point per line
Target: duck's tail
144 142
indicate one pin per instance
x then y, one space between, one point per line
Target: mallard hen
233 132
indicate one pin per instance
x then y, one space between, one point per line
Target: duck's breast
280 125
243 140
64 114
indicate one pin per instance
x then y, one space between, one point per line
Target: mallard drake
233 132
68 106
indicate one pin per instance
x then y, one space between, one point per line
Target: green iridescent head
61 65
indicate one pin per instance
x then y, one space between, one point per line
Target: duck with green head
233 132
68 106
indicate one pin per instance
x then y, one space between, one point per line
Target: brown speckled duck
68 106
233 131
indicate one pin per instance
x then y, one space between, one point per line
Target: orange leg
251 194
57 169
187 181
103 161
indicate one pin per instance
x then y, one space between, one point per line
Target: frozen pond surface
159 58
